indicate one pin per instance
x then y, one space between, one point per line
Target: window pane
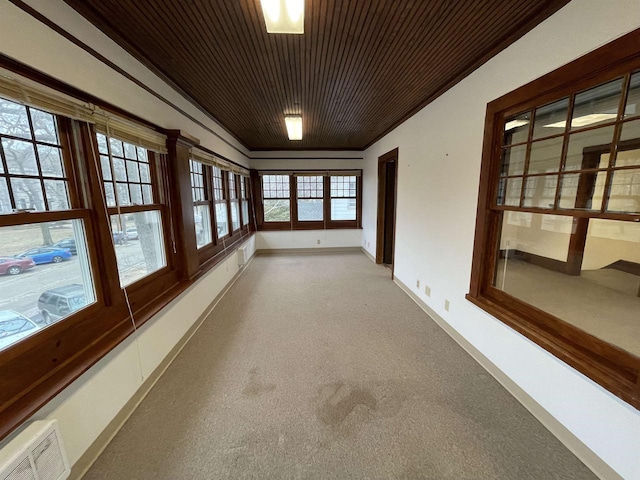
222 220
13 119
110 194
116 147
516 129
582 190
540 192
27 194
123 194
139 245
129 151
343 209
509 191
102 144
44 126
20 156
218 188
585 148
145 176
633 98
310 209
245 212
135 192
596 293
310 187
551 119
276 211
343 186
57 195
275 186
132 171
235 215
513 159
119 169
545 156
598 105
106 167
50 161
147 194
624 196
5 200
202 220
45 277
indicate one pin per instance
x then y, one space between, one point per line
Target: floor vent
36 453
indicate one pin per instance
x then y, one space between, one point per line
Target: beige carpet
318 366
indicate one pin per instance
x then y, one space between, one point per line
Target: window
276 193
244 188
310 197
557 252
318 200
234 203
343 197
222 215
201 204
45 251
136 218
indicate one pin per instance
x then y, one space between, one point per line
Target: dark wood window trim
38 367
294 223
615 369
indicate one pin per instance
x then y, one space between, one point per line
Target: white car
14 327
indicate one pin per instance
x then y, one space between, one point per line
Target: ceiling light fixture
294 126
283 16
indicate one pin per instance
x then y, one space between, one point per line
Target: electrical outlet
427 290
446 305
318 242
417 283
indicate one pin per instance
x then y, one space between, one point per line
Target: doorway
387 186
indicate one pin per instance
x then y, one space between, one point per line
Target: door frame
383 160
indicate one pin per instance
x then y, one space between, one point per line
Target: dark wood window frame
294 223
38 367
615 369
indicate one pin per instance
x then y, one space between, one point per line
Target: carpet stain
337 400
255 387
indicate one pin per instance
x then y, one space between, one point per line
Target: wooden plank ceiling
361 67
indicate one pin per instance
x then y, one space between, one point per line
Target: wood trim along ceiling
360 69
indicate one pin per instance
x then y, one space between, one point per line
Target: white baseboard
306 251
562 433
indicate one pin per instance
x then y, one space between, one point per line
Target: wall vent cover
36 453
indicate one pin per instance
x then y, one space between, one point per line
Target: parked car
14 266
14 327
132 234
69 243
120 238
46 255
60 302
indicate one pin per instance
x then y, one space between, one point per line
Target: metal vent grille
22 472
48 458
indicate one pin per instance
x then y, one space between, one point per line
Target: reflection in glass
633 97
545 156
597 105
596 290
624 196
585 148
540 192
202 221
509 191
513 159
582 191
551 119
45 276
516 129
139 244
343 209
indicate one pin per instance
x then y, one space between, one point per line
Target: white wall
306 160
439 164
308 239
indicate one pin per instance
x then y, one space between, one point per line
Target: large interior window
136 217
558 239
201 204
233 201
276 191
343 197
220 195
310 197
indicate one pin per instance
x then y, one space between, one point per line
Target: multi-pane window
276 198
343 197
310 195
561 227
32 173
222 215
201 204
245 200
136 220
44 257
234 202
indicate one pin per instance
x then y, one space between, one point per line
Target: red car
13 266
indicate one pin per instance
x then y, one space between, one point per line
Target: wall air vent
36 453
